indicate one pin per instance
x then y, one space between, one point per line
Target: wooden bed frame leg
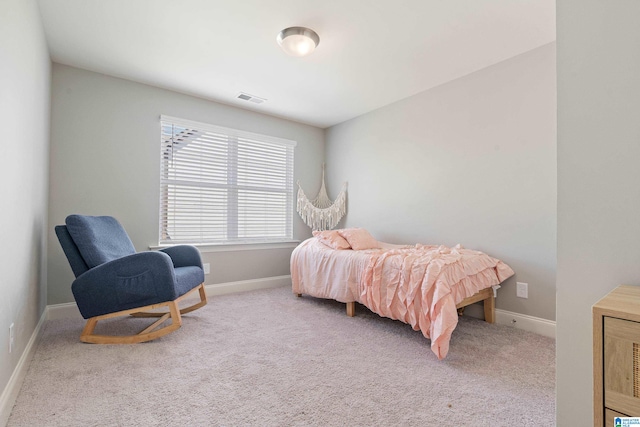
490 309
351 309
298 295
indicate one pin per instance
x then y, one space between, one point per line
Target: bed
422 285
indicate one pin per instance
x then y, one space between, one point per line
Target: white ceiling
371 52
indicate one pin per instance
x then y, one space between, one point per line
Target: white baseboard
247 285
528 323
10 392
503 317
521 321
70 309
63 311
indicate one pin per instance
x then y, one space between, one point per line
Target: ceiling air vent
250 98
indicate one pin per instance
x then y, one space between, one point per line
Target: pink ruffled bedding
419 285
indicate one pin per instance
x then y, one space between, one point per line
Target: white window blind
221 185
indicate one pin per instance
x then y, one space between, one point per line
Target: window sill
231 247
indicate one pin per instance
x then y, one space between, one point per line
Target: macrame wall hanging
321 213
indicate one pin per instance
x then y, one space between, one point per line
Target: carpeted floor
268 358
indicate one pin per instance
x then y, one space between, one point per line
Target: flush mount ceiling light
298 41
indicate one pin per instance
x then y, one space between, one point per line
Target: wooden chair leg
203 299
150 333
155 324
201 303
89 327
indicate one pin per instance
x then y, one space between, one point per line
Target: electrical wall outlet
522 290
11 338
207 268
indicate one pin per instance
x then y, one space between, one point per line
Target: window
220 185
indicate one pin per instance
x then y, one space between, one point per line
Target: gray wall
598 180
25 82
473 162
105 160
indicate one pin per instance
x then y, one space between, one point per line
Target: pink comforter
419 285
422 285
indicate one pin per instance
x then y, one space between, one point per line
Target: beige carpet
267 358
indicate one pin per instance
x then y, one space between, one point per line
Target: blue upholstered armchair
113 280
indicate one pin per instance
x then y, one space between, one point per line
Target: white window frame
277 193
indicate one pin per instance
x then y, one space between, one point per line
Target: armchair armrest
133 281
184 255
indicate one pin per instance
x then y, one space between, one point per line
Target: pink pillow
332 238
359 238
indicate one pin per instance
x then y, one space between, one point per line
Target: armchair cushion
184 256
186 277
78 266
99 239
133 281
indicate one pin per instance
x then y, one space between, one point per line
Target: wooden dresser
616 355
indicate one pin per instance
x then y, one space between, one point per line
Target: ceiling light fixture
298 41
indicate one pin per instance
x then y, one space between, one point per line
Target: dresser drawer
622 365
